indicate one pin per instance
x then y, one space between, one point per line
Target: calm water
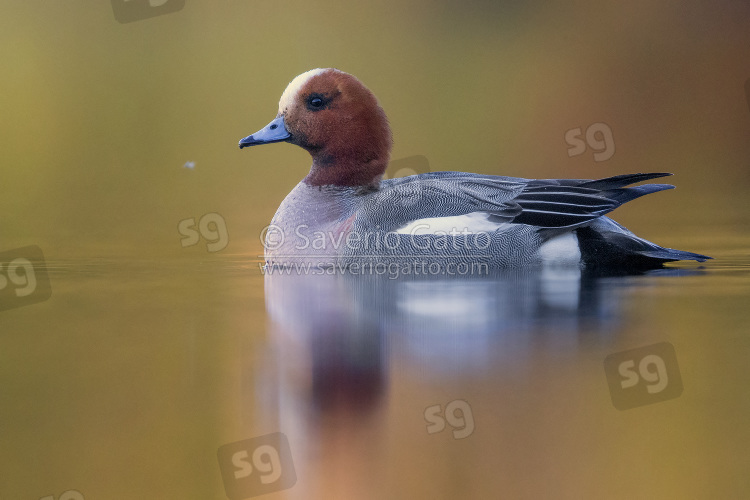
127 381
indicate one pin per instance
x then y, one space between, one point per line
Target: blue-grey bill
273 132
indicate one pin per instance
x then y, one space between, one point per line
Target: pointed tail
607 243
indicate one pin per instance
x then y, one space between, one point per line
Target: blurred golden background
99 117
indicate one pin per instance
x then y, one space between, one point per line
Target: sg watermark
643 376
410 192
598 137
67 495
256 466
127 11
23 278
211 227
457 413
404 167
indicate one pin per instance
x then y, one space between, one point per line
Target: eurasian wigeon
344 213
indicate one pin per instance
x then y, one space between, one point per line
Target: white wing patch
475 222
561 250
290 93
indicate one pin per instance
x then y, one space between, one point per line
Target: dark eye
316 102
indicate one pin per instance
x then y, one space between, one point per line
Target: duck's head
338 121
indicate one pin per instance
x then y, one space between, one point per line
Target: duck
344 213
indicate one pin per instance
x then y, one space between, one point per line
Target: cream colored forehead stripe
287 98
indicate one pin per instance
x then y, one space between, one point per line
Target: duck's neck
347 170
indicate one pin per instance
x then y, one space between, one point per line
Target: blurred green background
99 117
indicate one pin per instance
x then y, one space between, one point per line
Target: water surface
147 368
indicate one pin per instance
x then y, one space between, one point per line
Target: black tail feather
601 247
619 181
624 195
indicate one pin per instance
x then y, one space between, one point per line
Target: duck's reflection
348 366
346 344
334 337
342 322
